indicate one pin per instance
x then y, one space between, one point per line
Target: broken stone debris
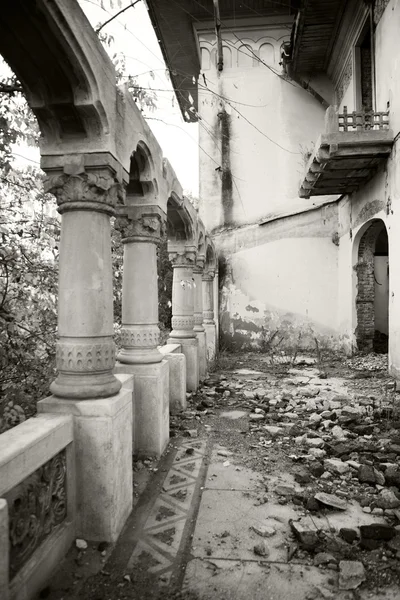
351 574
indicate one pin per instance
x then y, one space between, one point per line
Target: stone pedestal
198 317
177 376
208 315
85 354
103 457
183 288
150 424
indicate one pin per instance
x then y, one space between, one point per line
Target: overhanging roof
173 22
316 28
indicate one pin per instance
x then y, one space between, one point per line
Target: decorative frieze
148 337
344 80
93 190
85 358
379 9
183 323
36 506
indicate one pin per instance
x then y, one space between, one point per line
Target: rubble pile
339 438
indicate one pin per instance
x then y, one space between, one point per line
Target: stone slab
237 580
27 447
229 477
225 521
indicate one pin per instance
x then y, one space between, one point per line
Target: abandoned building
299 116
295 96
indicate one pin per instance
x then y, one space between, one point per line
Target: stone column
208 313
141 228
85 354
198 317
86 387
183 261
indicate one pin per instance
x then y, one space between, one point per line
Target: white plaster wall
295 275
268 140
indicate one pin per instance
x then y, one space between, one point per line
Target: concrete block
4 550
201 336
103 451
190 348
211 341
150 426
177 382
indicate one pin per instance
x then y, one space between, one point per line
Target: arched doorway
372 301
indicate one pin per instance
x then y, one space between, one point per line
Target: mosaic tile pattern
163 531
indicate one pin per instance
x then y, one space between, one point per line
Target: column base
134 356
190 348
201 336
84 386
211 341
150 427
177 380
103 455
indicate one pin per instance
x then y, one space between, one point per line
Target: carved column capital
199 266
140 224
94 189
208 275
183 258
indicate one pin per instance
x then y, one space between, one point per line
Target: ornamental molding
182 323
186 258
90 190
142 338
36 506
344 80
151 227
85 358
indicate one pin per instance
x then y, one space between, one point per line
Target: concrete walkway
214 518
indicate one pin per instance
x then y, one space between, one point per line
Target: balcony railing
362 120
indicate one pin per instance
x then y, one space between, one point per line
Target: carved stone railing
37 501
355 121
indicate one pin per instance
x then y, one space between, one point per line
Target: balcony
348 154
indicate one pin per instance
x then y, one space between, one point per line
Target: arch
205 59
372 286
267 53
180 222
245 58
67 76
142 182
227 54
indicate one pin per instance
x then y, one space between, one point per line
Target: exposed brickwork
365 301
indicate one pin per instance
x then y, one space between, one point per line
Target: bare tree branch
6 88
116 15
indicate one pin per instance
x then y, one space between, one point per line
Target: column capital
199 266
208 275
80 187
141 223
185 257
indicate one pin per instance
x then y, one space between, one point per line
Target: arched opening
372 301
142 184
